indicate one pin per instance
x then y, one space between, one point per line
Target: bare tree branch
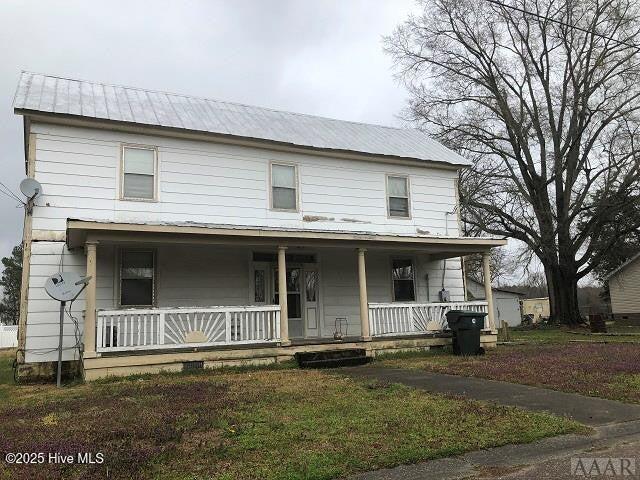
548 106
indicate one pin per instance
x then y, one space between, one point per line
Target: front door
294 300
311 310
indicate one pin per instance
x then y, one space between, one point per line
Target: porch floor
156 361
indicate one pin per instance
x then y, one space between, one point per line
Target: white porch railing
157 328
417 318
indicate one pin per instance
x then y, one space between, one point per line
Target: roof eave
498 289
82 121
85 228
622 267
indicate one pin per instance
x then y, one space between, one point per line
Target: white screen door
294 300
311 311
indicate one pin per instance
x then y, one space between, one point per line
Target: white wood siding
43 313
205 182
340 283
222 184
624 288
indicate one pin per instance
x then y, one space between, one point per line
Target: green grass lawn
6 372
272 424
608 370
6 362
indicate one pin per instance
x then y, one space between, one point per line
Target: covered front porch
214 289
125 330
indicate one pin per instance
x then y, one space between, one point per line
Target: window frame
407 179
296 187
415 279
132 146
254 267
154 280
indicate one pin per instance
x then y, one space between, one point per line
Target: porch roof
80 231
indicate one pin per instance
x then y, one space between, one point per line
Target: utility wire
8 195
8 192
560 22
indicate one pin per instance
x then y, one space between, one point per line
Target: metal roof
497 289
475 244
55 95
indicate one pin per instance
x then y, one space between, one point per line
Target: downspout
446 220
444 261
456 184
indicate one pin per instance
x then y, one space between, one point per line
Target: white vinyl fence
8 336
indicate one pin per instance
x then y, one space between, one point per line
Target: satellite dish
30 188
65 286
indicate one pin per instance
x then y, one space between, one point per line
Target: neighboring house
223 233
538 308
506 303
624 290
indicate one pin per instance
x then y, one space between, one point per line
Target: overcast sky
321 57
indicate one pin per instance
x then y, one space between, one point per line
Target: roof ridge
226 102
162 109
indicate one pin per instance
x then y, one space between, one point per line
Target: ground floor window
403 276
259 286
137 277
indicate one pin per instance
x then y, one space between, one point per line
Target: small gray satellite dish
64 286
30 188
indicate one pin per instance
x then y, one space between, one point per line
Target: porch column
90 302
364 301
282 296
488 293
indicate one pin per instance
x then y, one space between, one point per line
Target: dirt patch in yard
596 369
264 424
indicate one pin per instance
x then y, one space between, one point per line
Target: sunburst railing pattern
136 329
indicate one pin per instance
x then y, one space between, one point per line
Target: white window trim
408 197
155 172
119 276
415 279
297 187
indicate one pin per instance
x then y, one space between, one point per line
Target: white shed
506 303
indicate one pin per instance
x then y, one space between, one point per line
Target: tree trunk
563 294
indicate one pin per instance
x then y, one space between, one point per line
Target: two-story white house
221 233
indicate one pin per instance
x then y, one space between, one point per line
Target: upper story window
137 277
398 196
284 187
139 173
403 277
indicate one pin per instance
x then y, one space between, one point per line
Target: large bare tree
544 96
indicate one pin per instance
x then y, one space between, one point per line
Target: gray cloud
321 57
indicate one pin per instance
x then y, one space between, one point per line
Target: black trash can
466 327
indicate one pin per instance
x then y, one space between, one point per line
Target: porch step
332 358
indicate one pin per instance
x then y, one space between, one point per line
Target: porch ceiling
81 231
